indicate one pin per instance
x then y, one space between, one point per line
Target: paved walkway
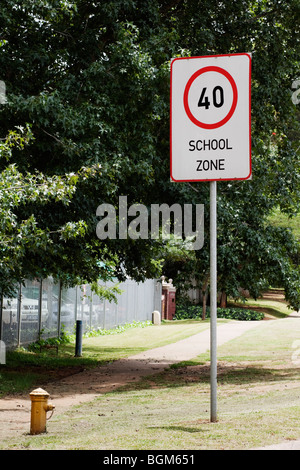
191 347
287 445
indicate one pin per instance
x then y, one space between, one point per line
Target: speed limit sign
210 118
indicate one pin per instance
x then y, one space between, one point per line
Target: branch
53 137
165 9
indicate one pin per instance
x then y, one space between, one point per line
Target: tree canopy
86 120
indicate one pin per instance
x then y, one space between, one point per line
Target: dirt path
85 386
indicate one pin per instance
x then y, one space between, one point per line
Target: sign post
213 301
210 140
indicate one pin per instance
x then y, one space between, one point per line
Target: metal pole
78 345
213 301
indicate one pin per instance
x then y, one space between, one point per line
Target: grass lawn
271 308
24 370
278 219
258 398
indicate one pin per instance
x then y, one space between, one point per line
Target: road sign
211 118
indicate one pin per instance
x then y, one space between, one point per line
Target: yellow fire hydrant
39 408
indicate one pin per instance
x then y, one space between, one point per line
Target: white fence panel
44 309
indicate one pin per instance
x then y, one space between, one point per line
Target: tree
22 239
250 253
56 72
92 81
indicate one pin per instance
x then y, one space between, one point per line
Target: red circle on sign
234 101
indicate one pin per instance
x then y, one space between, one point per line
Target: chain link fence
42 309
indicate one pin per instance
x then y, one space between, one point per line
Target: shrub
185 312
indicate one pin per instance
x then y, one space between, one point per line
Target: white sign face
211 118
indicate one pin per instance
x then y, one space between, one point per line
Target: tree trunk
223 300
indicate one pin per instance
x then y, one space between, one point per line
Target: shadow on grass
39 368
228 374
179 428
273 312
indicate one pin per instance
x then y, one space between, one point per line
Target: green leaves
92 80
16 138
21 235
73 230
